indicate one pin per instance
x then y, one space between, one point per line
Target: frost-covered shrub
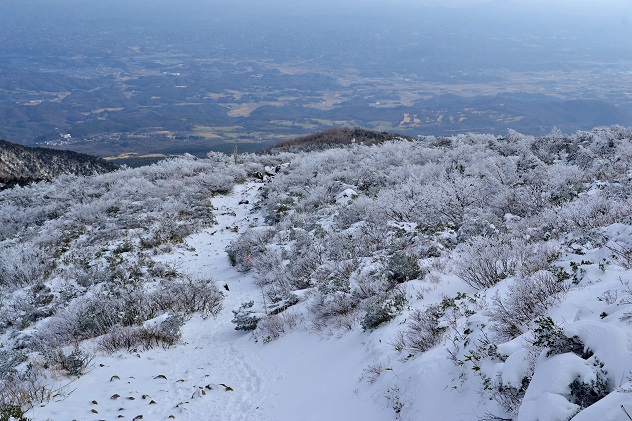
166 333
247 247
584 393
274 326
245 318
401 267
509 397
484 261
74 362
23 390
549 335
336 309
380 310
23 264
422 330
187 296
9 359
88 317
527 298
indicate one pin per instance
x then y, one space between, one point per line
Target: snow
299 376
609 342
515 368
609 408
340 372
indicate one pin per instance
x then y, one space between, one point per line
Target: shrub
245 318
247 247
401 267
383 308
527 298
422 330
10 412
74 362
334 310
585 394
187 296
10 359
274 326
88 317
23 264
551 336
166 334
484 261
22 391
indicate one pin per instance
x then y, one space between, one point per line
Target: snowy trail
218 373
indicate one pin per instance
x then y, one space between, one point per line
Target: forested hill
22 165
338 136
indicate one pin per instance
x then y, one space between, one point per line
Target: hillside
337 137
476 277
22 165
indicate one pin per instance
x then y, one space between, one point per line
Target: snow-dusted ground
219 373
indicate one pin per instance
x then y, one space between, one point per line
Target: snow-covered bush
585 393
334 310
248 246
401 267
422 331
245 318
73 362
550 336
274 326
381 309
527 298
166 333
187 296
23 264
484 261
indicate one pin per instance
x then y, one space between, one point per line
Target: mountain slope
22 165
338 137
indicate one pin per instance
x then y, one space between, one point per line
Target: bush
22 391
166 334
484 261
527 299
187 296
10 412
245 318
401 267
74 362
551 336
422 330
247 247
23 264
585 394
274 326
381 309
334 310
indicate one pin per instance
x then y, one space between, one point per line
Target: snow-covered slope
218 373
470 278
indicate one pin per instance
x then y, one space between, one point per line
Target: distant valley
200 78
